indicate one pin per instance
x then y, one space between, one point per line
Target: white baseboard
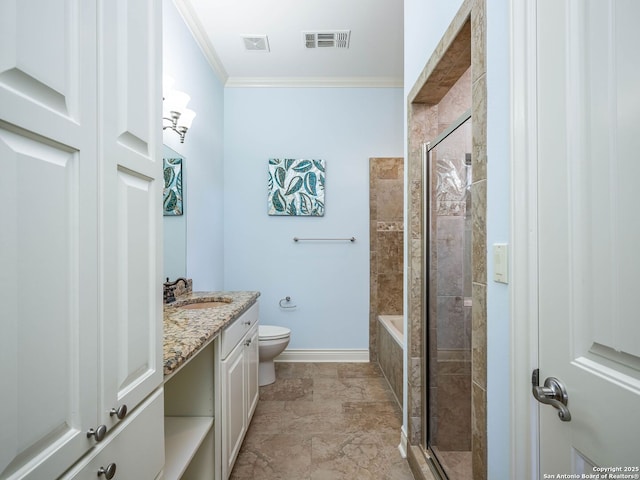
313 355
403 443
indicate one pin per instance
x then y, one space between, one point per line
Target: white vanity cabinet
211 396
80 138
239 384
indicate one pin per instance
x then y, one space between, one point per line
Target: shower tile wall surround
424 125
463 44
386 233
479 240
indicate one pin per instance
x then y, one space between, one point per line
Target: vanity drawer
233 333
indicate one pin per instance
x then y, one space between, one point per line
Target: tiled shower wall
463 44
386 233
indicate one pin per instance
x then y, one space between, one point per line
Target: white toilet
272 341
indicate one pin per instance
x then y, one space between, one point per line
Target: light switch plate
500 263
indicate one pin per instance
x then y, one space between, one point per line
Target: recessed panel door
130 218
589 231
48 196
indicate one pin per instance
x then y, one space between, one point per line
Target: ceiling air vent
335 39
256 43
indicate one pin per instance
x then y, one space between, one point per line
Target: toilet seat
272 332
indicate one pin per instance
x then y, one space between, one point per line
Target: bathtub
391 351
394 324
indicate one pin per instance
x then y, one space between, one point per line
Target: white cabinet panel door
589 231
48 244
251 366
234 410
130 220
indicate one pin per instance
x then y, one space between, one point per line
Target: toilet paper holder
286 299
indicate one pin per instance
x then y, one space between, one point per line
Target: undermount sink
202 305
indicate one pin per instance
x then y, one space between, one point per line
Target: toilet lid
272 332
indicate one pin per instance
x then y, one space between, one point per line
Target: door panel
589 230
48 286
131 173
48 290
234 421
252 363
40 71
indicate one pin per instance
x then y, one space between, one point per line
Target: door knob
108 472
98 433
119 412
552 393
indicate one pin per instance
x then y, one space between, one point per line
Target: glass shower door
447 221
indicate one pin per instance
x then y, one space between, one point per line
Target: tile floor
324 421
457 465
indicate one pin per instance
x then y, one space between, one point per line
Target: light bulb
186 118
176 101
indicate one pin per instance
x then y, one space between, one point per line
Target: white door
252 362
131 200
48 237
234 408
588 113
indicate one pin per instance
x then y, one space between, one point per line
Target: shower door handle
552 393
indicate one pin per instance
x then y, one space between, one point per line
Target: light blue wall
202 149
425 22
498 231
328 281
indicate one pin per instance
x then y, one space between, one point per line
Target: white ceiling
374 57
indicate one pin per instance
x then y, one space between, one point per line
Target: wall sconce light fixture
175 114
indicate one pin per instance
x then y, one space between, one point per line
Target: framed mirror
175 219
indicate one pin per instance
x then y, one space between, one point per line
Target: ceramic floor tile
457 465
380 417
324 422
306 370
346 370
288 389
369 389
359 456
282 456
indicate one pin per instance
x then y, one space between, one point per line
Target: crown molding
323 82
201 38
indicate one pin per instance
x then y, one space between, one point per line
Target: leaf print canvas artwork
172 193
296 187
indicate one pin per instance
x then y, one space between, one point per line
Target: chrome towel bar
350 239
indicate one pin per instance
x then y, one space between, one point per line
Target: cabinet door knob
108 472
248 322
120 412
247 343
98 433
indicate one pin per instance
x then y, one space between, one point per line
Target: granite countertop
187 331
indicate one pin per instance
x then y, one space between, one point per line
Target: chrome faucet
168 290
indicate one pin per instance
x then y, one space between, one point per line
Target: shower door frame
427 218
